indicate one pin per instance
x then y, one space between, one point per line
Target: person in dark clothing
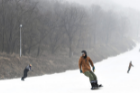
25 72
84 67
130 65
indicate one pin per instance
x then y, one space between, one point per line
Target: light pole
20 40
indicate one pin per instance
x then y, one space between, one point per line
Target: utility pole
20 40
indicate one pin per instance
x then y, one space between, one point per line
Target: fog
124 3
128 8
55 31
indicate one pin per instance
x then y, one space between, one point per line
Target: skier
85 68
28 68
130 65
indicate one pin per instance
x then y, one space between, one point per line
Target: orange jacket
84 63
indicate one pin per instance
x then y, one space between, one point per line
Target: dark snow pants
91 75
25 74
128 70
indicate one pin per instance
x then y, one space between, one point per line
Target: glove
93 68
80 71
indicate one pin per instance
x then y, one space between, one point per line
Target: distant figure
28 68
130 65
84 67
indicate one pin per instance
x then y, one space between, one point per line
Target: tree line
55 26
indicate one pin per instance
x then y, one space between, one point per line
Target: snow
111 72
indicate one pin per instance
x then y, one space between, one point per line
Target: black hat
84 51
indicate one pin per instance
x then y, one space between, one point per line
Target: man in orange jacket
85 68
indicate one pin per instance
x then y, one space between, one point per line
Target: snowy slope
111 72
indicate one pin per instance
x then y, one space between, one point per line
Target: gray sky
125 3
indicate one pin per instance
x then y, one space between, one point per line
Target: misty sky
125 3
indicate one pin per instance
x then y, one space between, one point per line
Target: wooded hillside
54 32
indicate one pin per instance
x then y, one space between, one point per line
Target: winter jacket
28 67
84 64
130 65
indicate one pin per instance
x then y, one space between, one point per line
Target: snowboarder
130 65
28 68
85 68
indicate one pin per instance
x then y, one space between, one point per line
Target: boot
22 78
97 85
93 85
